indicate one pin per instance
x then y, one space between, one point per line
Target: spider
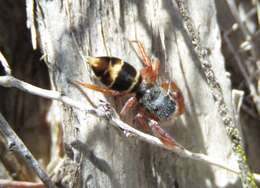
155 102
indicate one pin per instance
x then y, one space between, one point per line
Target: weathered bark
109 159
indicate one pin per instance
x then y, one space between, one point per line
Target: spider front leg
141 120
141 52
130 103
151 70
167 140
150 73
146 123
106 91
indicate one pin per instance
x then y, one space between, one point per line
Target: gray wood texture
107 158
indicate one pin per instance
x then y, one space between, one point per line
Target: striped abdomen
115 73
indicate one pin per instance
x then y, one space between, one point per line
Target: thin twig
10 81
15 144
104 110
5 64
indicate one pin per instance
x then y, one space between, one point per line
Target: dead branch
16 144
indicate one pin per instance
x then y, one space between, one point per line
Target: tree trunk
103 28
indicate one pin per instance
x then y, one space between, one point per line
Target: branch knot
104 110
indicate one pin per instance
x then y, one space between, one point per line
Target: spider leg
151 70
147 123
167 140
141 53
106 91
130 103
142 122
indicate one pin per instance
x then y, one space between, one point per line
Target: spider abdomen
115 73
